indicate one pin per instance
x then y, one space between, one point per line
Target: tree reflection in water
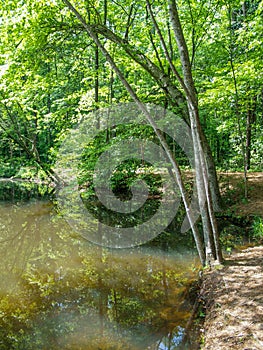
59 291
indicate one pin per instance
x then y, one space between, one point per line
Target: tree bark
203 188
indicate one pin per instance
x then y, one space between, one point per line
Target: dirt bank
233 299
232 188
232 296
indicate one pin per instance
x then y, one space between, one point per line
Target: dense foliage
52 75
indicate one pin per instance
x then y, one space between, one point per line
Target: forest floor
232 188
233 294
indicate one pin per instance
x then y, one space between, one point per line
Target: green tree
187 84
231 99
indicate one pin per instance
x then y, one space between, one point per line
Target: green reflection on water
59 291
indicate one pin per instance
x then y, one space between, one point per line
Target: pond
60 291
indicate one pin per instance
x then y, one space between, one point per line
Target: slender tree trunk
96 85
237 106
201 165
248 140
251 116
212 175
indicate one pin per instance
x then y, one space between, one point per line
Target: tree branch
174 70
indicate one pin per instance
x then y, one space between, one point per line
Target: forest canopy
52 74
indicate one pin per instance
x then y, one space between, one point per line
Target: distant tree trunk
251 118
96 85
212 175
237 104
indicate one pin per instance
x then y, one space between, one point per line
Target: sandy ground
233 295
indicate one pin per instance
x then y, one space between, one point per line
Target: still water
59 291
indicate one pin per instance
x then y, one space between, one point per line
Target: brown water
58 291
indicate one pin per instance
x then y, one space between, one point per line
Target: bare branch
129 23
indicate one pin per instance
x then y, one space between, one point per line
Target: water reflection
59 291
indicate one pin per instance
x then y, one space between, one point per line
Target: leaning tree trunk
142 107
175 95
203 187
213 182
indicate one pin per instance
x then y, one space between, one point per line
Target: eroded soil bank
233 298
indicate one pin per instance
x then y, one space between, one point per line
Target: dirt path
234 301
233 295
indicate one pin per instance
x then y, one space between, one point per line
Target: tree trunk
251 116
212 175
200 163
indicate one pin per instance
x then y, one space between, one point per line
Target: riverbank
233 303
232 295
